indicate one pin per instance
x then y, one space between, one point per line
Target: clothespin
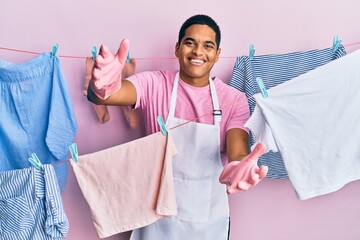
128 57
251 51
161 123
74 152
54 50
262 87
336 44
93 52
35 161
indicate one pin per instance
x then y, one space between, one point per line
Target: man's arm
125 96
236 144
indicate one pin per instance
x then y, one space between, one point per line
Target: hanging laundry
31 205
36 114
275 69
131 115
313 120
101 110
130 185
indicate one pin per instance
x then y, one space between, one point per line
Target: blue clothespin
262 87
35 161
54 50
74 152
336 44
128 57
161 123
93 52
251 51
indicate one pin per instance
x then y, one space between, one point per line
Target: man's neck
196 82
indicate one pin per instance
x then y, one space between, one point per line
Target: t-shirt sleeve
145 84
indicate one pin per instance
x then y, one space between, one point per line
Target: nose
197 50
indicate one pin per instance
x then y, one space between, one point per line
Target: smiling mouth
197 62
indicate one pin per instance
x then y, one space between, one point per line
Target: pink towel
130 185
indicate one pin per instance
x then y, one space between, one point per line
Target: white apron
203 211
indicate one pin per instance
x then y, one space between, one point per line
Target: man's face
197 53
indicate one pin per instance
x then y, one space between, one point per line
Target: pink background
270 210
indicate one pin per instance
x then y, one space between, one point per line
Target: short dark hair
203 20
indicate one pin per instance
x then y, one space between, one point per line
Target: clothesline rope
140 58
182 124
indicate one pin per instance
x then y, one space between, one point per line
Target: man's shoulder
153 77
156 74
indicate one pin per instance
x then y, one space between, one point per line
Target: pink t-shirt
154 90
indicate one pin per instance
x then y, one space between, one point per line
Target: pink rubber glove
241 175
107 73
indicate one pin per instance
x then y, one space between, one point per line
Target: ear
177 46
217 54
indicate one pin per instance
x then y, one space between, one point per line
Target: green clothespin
74 152
251 51
54 50
93 52
262 87
161 123
336 44
35 161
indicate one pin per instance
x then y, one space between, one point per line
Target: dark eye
209 46
188 43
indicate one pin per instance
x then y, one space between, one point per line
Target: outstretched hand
241 175
107 72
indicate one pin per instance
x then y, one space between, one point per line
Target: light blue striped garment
36 114
275 69
31 205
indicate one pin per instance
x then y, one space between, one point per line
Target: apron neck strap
214 98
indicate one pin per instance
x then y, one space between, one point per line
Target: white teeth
197 61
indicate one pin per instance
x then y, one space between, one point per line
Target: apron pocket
193 199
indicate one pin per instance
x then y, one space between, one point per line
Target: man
206 119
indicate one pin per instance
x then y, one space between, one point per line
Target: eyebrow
192 39
189 38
